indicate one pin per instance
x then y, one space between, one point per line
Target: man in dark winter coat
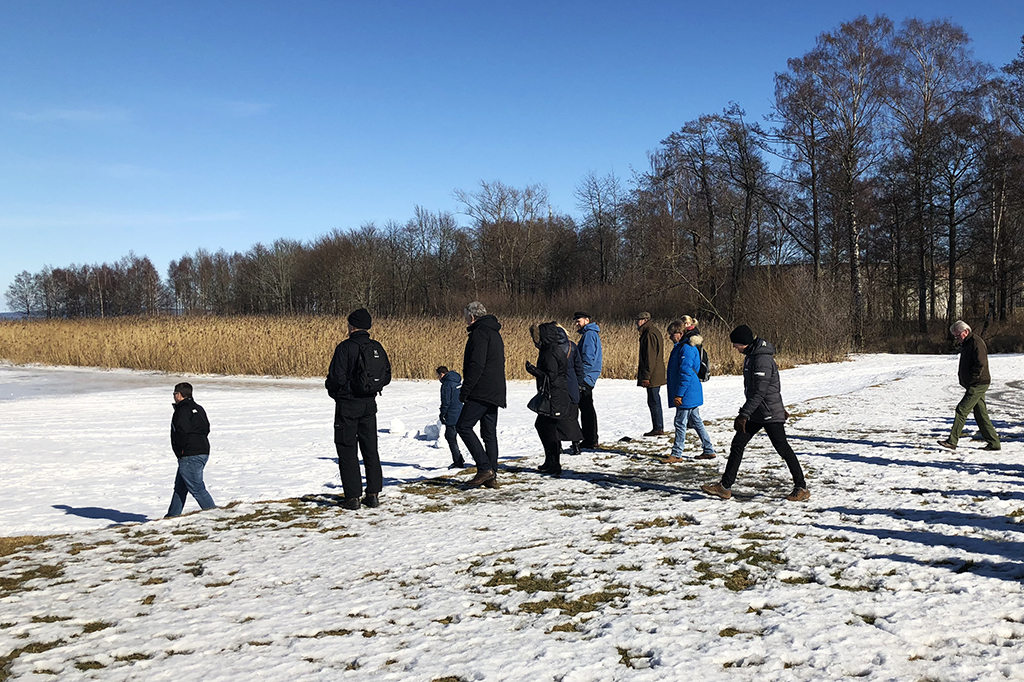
189 440
975 378
483 392
763 409
592 358
451 408
651 370
355 417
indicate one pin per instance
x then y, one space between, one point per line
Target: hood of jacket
760 347
590 327
451 377
489 321
550 333
694 339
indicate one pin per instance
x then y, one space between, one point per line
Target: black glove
530 367
740 424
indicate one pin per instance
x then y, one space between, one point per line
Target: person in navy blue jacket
592 359
451 408
684 390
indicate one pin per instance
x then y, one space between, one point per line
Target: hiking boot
574 449
717 490
350 503
992 447
492 482
946 444
799 495
480 478
371 500
705 455
672 459
654 432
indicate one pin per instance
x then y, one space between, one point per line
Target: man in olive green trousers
974 376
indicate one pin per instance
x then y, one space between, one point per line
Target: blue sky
160 128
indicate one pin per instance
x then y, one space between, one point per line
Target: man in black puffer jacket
191 445
483 392
763 408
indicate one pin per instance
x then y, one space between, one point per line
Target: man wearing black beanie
763 408
359 370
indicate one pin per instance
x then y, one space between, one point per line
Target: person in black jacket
763 409
552 370
975 378
569 424
451 408
189 441
355 417
483 392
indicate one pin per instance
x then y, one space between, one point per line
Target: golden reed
302 345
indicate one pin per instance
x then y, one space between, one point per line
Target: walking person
483 392
763 409
191 445
592 358
551 372
651 370
451 408
685 393
975 378
569 424
359 370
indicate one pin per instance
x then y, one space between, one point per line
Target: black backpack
704 373
372 371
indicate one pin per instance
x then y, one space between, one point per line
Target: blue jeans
690 418
654 402
190 480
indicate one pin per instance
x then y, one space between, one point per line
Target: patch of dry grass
302 346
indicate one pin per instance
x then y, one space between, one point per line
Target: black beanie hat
742 335
360 319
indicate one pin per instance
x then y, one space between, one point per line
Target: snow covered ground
905 565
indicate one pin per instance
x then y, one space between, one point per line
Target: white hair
959 327
475 309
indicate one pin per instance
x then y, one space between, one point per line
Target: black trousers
777 435
451 436
588 417
485 455
547 429
355 430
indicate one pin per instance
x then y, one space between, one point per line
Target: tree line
885 186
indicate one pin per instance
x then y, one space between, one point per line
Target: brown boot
492 482
717 490
799 495
482 476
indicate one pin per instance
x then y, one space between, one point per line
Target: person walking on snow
451 408
483 392
975 378
592 357
189 440
650 371
763 409
685 393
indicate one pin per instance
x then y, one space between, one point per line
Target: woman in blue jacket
684 390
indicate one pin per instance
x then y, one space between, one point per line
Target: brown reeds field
302 346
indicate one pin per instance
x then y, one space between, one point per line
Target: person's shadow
101 513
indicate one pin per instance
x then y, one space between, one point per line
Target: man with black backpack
359 370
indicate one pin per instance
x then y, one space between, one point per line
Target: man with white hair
482 392
975 378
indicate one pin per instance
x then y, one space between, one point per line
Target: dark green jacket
974 362
652 361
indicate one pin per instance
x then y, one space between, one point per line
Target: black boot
574 449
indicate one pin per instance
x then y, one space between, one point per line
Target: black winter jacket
974 362
576 374
761 385
483 363
553 366
189 429
338 382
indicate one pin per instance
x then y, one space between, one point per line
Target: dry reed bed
301 346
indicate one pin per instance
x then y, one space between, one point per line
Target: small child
451 408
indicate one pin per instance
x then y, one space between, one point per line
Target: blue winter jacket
683 365
451 406
590 353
